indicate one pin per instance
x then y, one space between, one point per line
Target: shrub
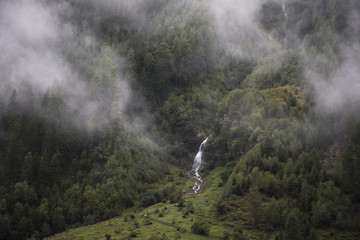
190 207
181 203
148 222
226 236
133 234
221 207
200 228
175 196
238 233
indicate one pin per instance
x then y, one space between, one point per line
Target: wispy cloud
35 41
237 28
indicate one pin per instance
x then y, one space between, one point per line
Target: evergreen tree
293 229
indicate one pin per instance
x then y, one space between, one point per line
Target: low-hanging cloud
237 29
238 32
48 49
29 37
35 40
341 90
337 87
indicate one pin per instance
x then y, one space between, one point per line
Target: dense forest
100 100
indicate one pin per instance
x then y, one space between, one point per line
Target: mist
335 73
28 31
43 49
341 90
238 31
37 41
335 79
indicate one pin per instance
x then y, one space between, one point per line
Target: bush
148 200
181 203
147 222
226 236
133 234
175 196
190 207
238 233
221 207
200 228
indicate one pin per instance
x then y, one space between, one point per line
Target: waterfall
196 166
284 9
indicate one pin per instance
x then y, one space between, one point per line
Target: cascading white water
196 166
284 9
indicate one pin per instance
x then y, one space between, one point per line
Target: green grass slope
175 220
163 220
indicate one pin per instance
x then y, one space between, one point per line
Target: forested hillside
103 106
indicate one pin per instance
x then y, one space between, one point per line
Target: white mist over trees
42 49
238 31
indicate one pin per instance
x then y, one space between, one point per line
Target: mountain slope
103 106
175 220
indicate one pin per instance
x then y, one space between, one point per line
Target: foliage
295 167
201 228
293 227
